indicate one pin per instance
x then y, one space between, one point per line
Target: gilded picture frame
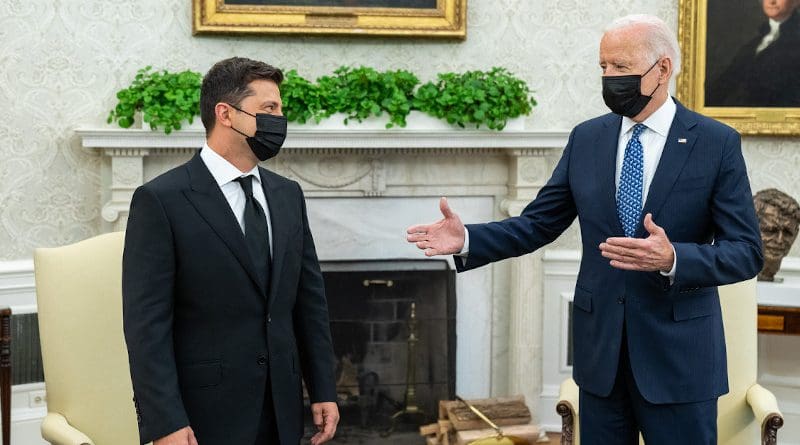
401 18
718 76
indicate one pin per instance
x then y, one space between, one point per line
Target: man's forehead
621 44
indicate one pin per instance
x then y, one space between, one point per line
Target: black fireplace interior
370 305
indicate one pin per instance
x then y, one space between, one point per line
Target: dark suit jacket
770 78
203 336
701 196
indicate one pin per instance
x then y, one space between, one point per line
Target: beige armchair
748 414
79 294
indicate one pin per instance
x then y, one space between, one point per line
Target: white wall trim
18 286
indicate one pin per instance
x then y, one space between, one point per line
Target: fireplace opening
393 329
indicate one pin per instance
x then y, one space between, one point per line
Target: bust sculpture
779 218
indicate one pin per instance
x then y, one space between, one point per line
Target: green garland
165 99
472 98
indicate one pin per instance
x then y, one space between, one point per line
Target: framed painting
418 18
741 63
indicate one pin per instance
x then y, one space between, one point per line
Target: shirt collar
222 170
659 121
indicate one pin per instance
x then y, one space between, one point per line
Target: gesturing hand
444 237
184 436
326 417
650 254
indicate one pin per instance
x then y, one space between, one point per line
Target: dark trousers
267 426
618 418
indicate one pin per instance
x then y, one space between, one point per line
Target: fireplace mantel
364 150
299 138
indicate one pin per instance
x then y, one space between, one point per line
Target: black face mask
269 137
623 95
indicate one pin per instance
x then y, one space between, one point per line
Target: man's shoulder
703 122
605 120
591 127
277 180
173 179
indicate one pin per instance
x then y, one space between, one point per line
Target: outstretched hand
444 237
650 254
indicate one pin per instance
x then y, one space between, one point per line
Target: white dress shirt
226 174
653 139
772 35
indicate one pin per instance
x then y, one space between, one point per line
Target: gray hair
660 41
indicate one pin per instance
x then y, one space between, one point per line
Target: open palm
444 237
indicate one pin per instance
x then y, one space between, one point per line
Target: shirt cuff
671 273
465 250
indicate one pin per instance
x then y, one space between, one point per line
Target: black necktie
256 233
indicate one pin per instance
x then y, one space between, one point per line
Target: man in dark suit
665 212
766 71
223 298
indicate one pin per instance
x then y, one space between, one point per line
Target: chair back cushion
79 295
736 423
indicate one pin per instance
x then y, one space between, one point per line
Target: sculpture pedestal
779 306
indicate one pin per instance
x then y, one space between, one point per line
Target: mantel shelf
108 138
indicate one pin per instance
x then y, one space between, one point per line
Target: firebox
393 329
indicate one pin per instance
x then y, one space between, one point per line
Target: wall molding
17 286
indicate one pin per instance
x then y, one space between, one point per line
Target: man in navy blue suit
666 215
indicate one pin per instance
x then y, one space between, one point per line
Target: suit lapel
606 172
680 142
276 201
206 196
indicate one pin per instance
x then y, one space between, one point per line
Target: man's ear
665 70
222 112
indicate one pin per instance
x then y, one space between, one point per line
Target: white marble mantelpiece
354 159
107 138
363 187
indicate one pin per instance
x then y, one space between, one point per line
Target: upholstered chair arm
765 409
567 408
57 431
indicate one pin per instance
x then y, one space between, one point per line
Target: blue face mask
269 137
622 94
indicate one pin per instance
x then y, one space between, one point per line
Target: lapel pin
681 140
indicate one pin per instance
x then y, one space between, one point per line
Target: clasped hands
654 253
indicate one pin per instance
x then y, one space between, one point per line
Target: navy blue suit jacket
701 196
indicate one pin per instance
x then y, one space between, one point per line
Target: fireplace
393 330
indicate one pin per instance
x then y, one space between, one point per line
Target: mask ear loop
245 112
645 73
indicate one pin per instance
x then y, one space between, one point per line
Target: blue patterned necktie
629 195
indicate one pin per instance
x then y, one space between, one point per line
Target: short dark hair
228 81
776 198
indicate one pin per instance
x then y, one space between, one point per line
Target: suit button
269 318
621 300
262 360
